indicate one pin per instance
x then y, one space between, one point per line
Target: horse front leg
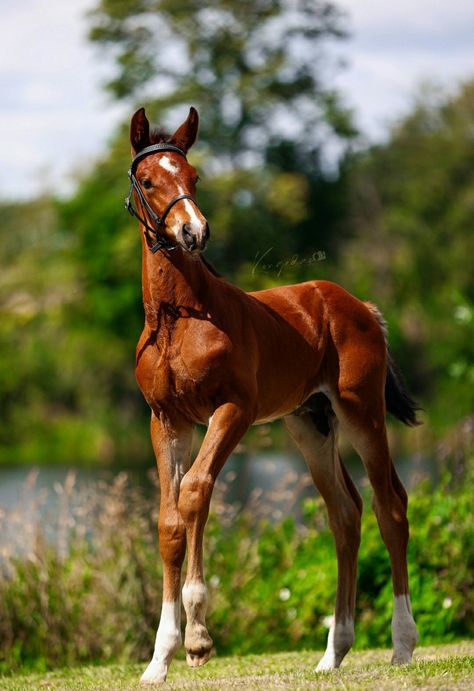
227 426
172 446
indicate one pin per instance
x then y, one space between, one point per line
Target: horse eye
147 184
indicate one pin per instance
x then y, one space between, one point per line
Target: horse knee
172 538
194 497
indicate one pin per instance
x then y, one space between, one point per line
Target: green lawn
436 667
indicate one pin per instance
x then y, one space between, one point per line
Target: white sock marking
195 601
197 636
168 640
404 633
340 639
191 211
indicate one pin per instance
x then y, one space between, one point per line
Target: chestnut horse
212 354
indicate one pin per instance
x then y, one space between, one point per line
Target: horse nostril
188 237
207 232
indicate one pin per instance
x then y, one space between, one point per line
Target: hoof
326 664
402 657
404 632
197 658
198 645
155 673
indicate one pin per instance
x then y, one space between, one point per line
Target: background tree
252 67
258 73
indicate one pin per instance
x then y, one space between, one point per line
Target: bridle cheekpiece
155 240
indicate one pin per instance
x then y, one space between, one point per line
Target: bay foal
209 353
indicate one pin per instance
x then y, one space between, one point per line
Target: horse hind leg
315 433
362 414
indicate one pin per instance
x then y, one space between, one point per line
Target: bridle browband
154 239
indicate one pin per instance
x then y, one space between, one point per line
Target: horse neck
172 280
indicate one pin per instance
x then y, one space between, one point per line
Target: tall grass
82 583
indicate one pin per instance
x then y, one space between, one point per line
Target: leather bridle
154 239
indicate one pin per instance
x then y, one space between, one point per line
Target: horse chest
179 373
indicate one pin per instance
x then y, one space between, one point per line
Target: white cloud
397 45
54 112
405 20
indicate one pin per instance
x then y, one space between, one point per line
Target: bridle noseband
155 240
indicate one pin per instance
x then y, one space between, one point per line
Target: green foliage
411 252
94 593
67 335
441 569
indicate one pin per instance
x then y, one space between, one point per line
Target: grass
435 667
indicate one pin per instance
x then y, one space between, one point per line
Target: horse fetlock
195 600
167 643
340 640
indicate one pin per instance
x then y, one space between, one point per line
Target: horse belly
286 381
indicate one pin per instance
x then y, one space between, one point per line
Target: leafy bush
92 593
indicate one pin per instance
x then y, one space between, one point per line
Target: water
242 475
273 484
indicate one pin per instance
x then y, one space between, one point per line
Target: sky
55 117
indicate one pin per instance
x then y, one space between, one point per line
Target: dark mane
158 135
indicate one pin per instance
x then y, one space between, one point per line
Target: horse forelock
158 135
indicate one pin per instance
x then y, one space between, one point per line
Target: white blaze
189 207
191 211
167 164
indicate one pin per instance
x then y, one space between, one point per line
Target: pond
280 481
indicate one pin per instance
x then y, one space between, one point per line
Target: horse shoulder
202 348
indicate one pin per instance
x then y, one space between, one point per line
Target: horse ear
186 134
139 131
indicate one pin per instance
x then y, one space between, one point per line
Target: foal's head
164 177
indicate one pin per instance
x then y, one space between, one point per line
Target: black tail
397 397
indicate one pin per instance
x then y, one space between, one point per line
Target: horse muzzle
195 240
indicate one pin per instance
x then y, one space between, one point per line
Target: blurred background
336 142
